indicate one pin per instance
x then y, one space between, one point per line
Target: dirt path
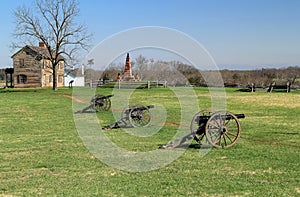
74 98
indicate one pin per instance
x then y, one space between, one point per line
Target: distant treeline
262 77
178 73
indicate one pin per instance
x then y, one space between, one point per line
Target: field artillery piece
219 129
133 116
98 103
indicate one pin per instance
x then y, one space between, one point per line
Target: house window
50 79
60 79
46 64
21 62
44 80
22 79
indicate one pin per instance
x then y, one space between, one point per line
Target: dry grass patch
268 99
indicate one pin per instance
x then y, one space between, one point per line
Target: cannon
133 116
220 129
98 103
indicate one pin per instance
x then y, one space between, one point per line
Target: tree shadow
8 90
243 90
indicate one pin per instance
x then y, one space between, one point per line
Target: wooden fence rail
125 84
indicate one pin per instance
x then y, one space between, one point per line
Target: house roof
35 51
74 72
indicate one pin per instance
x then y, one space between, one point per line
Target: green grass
41 152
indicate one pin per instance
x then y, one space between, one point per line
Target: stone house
32 68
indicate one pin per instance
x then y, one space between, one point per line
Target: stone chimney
41 44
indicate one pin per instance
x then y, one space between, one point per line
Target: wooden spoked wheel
100 103
222 129
198 127
139 116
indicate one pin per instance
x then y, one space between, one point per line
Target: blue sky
239 34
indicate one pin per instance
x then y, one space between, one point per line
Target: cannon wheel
100 103
137 117
199 130
222 129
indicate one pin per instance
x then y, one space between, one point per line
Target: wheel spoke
213 135
216 125
228 137
222 129
224 139
229 133
218 119
228 121
219 140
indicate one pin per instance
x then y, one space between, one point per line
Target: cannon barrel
204 119
103 97
141 108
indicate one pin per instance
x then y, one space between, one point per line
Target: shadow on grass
9 90
243 90
192 145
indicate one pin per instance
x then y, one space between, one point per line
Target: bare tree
53 22
141 66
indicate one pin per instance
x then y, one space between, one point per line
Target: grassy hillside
42 153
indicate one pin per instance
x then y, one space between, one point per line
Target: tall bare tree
141 66
54 23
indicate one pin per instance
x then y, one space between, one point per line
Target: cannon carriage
133 116
98 103
219 129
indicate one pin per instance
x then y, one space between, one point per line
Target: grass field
42 153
